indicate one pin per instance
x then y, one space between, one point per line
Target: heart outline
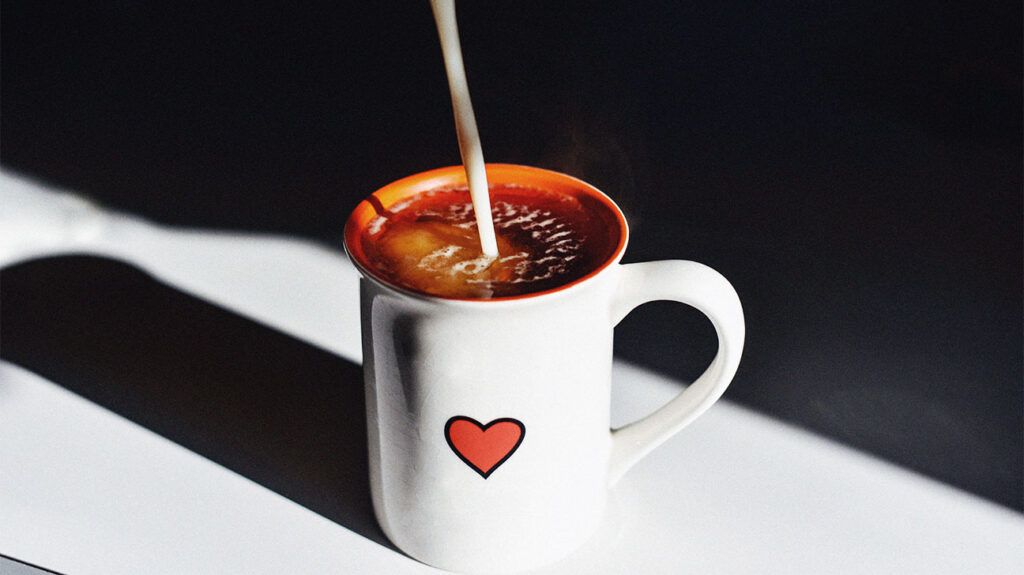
483 429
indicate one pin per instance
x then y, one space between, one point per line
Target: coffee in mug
429 242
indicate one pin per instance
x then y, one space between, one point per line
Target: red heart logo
484 447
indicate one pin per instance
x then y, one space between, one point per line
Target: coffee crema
428 243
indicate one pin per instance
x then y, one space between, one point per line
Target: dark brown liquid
429 243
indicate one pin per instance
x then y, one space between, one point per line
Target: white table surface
84 491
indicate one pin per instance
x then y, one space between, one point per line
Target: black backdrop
854 169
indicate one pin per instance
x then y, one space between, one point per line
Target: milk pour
465 124
446 242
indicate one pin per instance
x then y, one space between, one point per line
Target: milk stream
465 123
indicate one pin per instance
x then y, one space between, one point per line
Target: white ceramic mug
489 437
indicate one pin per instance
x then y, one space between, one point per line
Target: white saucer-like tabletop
85 491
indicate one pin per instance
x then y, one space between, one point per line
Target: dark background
853 168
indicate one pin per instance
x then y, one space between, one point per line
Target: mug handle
707 290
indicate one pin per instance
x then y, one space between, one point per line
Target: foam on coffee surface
430 243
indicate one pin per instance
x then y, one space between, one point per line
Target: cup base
526 560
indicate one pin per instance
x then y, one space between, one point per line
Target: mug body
489 437
488 424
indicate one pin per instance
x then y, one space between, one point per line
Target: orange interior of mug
380 202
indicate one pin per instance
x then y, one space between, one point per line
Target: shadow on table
283 413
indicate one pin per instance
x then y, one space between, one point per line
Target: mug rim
387 196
